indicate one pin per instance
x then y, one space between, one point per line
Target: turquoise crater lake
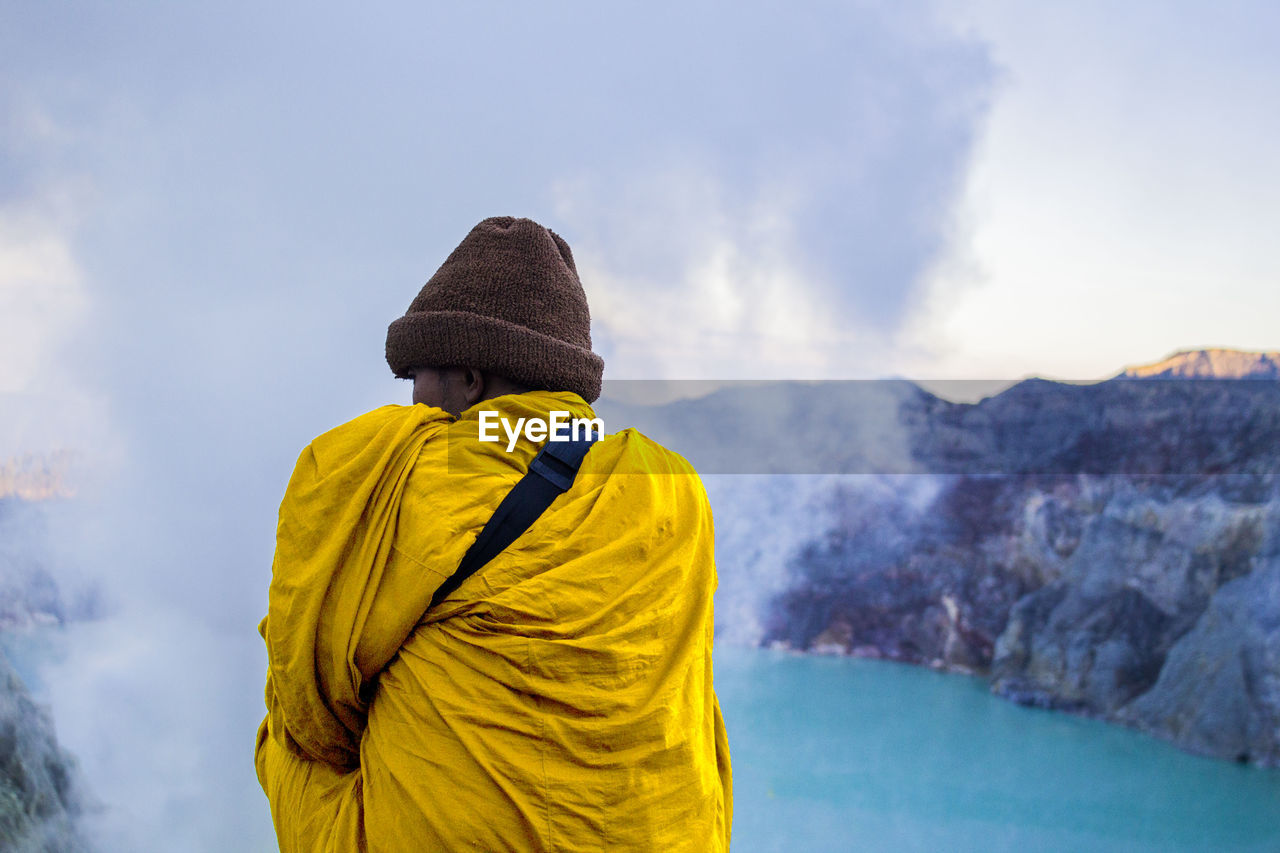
843 754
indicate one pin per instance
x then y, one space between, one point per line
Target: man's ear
473 384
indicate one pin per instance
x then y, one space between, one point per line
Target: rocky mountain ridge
1111 549
1213 363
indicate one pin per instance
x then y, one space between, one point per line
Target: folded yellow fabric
560 699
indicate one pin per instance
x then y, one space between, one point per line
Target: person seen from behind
557 694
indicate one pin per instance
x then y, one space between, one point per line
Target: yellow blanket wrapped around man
560 699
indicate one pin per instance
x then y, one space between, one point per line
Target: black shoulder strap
551 473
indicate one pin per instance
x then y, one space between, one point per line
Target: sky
209 215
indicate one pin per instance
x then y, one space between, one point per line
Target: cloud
42 295
1121 196
44 302
796 247
40 298
211 214
261 189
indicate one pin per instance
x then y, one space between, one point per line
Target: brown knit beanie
508 300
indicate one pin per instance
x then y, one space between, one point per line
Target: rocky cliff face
1145 568
40 795
1109 549
1116 553
39 792
1218 691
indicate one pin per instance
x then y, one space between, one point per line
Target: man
558 699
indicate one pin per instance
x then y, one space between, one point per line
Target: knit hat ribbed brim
508 300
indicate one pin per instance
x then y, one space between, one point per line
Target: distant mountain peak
36 477
1209 364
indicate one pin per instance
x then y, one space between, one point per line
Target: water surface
842 754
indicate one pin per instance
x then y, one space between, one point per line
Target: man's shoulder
385 426
629 456
630 451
